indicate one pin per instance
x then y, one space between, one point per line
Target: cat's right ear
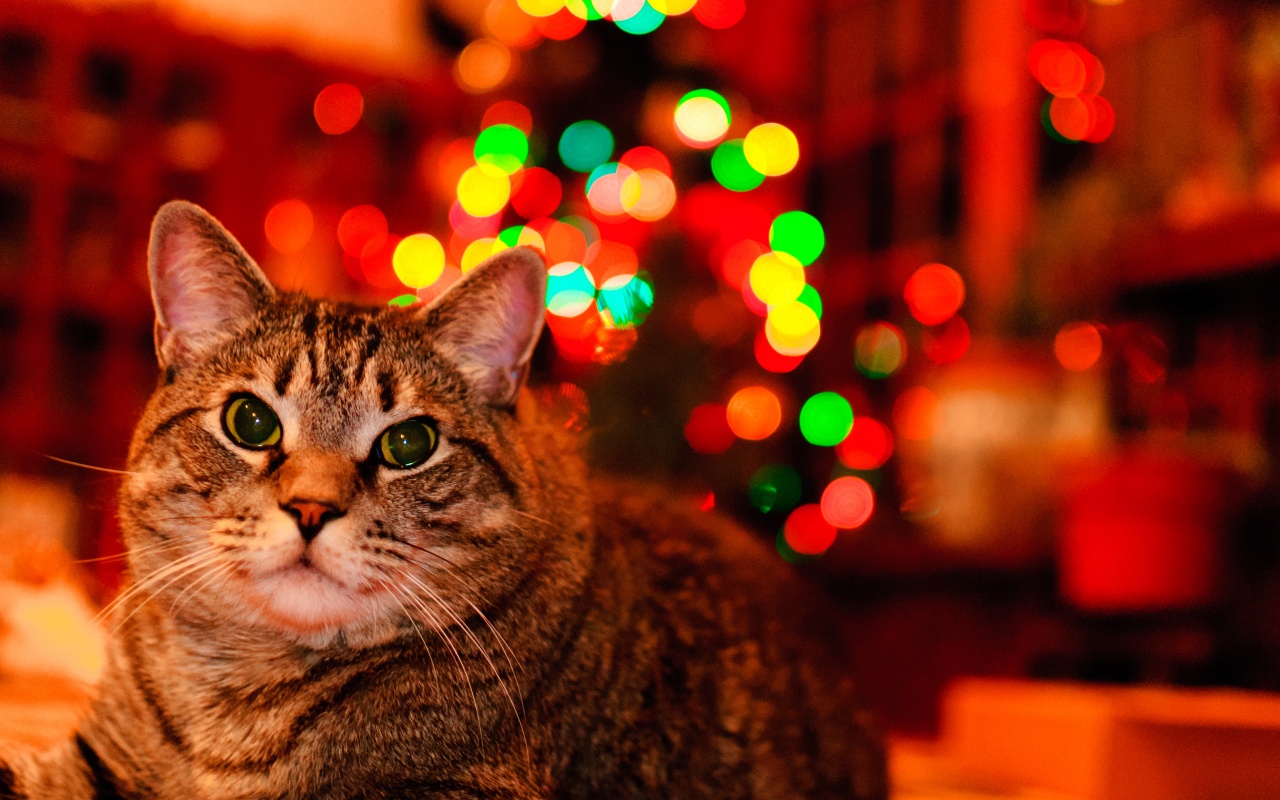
203 284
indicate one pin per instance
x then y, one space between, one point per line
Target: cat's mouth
305 597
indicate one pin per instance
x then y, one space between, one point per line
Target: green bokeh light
825 419
730 167
646 20
585 145
879 350
403 300
511 236
504 146
627 306
809 296
714 95
571 290
799 234
774 487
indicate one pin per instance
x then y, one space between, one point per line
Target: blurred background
966 307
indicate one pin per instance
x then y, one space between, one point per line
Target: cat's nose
311 516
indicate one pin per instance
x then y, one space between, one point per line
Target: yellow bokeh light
418 260
776 278
476 253
540 8
792 329
648 195
673 8
701 120
771 149
483 190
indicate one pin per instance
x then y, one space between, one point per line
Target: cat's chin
304 600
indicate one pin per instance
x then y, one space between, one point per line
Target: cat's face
316 467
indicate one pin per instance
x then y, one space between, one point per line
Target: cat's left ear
489 321
204 286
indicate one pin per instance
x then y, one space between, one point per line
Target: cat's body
484 623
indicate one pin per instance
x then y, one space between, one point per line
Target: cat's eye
251 423
406 444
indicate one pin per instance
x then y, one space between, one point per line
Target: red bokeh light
338 108
536 192
289 225
361 227
1055 16
847 502
375 262
771 359
472 228
561 26
719 14
807 532
707 430
946 343
914 412
934 293
508 112
1078 346
645 157
867 446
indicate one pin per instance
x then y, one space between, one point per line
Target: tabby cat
365 564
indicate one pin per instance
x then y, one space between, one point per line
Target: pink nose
310 516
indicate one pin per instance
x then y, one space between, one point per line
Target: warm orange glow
338 108
289 226
361 229
754 413
483 65
914 414
1078 346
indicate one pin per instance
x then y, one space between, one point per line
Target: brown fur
507 627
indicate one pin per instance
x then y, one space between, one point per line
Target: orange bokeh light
289 225
360 229
934 293
1078 345
338 108
754 413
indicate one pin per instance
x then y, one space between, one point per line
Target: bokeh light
880 350
774 487
771 359
508 112
483 190
730 167
807 531
648 195
1078 346
719 14
934 293
868 445
560 26
645 20
613 263
776 278
361 227
418 260
289 225
536 192
826 419
707 430
626 306
483 65
476 253
471 227
338 108
645 157
771 149
403 300
540 8
798 233
505 146
702 118
570 289
792 328
585 145
509 24
947 343
673 8
847 502
914 413
754 413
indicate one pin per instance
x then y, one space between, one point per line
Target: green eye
251 423
406 444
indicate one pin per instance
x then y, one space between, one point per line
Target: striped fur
491 624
